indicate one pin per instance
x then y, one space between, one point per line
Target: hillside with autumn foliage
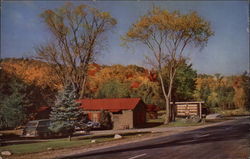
39 84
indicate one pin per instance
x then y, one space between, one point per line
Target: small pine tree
13 107
12 111
66 113
105 120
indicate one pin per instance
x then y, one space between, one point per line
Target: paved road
226 141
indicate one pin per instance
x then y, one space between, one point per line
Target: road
230 140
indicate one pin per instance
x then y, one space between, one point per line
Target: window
119 112
95 117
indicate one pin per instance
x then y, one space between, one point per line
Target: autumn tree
42 84
246 85
149 92
166 35
78 35
113 89
217 91
241 88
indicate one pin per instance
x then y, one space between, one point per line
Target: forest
28 84
78 36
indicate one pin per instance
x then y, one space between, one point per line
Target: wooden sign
184 109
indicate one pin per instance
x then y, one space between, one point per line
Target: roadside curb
170 132
161 132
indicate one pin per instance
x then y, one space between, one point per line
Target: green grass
63 143
180 123
177 123
54 144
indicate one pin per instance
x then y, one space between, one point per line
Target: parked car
37 128
93 125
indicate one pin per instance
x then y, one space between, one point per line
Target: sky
227 52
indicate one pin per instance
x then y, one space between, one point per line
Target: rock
6 153
117 136
195 119
214 116
93 141
49 148
192 119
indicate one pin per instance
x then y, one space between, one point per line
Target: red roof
43 108
113 104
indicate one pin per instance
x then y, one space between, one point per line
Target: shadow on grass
152 125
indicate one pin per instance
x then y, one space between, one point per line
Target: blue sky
227 52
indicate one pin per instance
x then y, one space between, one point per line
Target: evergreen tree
12 111
66 113
13 107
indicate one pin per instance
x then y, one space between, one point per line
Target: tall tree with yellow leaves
166 35
78 33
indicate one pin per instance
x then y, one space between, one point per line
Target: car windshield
31 124
44 123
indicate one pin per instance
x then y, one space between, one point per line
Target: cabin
126 113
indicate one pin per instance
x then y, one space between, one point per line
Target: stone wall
124 120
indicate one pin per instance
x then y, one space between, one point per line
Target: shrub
105 120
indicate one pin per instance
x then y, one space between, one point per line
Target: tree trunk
169 108
167 104
82 89
173 111
167 117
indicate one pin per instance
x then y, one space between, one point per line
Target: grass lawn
54 144
62 143
180 123
228 114
177 123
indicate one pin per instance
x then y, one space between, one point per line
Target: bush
105 120
234 112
